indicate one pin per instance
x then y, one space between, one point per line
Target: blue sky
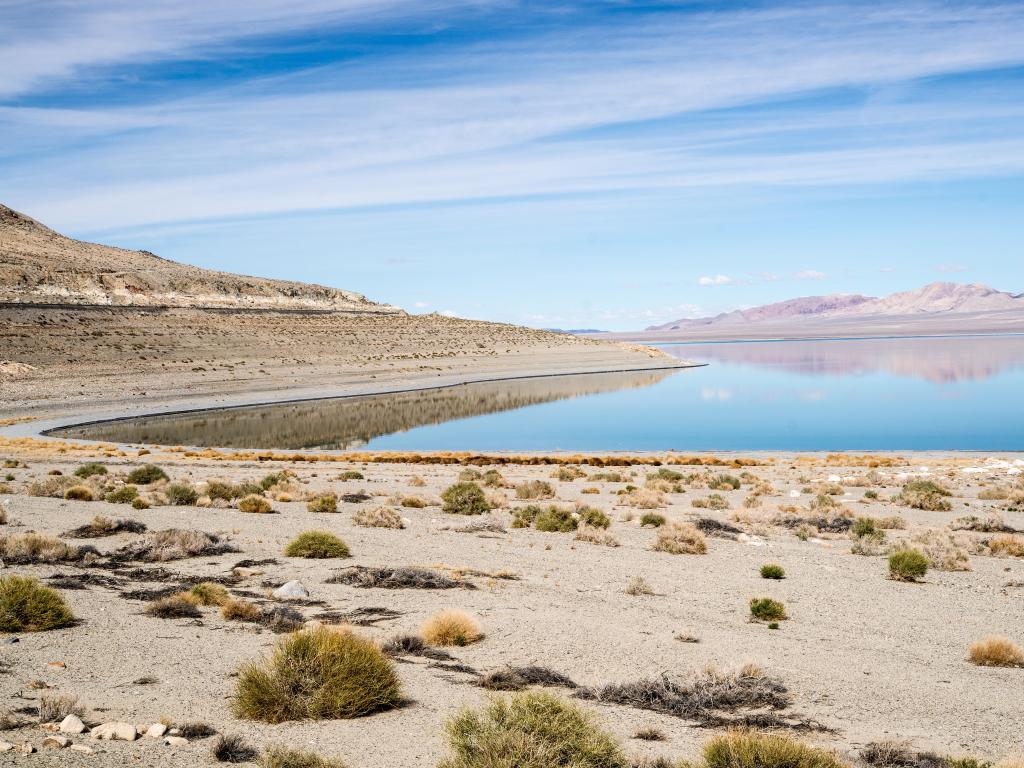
574 164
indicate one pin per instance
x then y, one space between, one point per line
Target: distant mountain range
933 299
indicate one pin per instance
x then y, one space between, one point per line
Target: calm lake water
962 393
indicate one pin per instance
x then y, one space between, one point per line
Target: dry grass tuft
644 498
30 548
241 610
208 594
283 757
27 606
317 674
55 707
1012 546
173 607
638 585
530 730
317 545
379 517
254 504
592 535
994 651
751 749
680 539
232 749
325 503
926 495
535 489
79 493
451 628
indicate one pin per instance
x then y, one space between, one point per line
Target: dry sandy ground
869 657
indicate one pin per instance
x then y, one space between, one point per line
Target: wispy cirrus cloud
810 274
656 103
707 280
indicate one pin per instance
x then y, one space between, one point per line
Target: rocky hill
38 265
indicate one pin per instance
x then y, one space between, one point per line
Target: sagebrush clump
254 504
317 544
907 565
146 474
317 674
767 609
926 495
451 628
680 539
28 606
378 517
466 498
752 749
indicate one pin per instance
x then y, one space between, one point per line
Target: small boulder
6 746
292 590
72 724
176 741
83 748
56 742
156 731
115 732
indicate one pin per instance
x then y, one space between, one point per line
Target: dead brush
173 544
680 539
945 550
232 749
701 697
31 548
591 535
55 707
993 522
101 526
379 517
397 578
519 678
994 651
173 607
413 645
898 754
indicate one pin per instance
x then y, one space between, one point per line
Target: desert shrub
208 593
389 577
871 495
415 502
592 516
651 520
451 628
523 517
351 474
90 469
945 550
554 519
752 749
51 487
518 678
28 606
29 548
535 489
78 493
196 730
325 503
907 565
600 536
568 474
317 544
464 499
173 607
276 756
55 707
101 526
726 483
992 523
530 730
317 674
926 495
680 539
823 502
891 523
609 477
637 585
492 478
643 498
232 749
240 610
1013 546
767 609
146 474
871 542
140 503
712 527
173 544
254 504
993 651
275 478
126 494
772 571
863 526
714 501
649 734
994 493
379 517
181 494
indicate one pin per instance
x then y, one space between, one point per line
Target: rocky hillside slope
38 265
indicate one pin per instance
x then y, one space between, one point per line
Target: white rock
115 732
56 742
72 724
6 746
81 748
292 590
156 731
176 741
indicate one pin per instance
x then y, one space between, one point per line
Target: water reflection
337 424
946 360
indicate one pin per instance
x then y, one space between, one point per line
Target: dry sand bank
868 657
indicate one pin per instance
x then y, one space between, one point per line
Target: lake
962 393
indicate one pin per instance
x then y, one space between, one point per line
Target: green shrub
181 494
664 473
146 474
864 526
555 520
772 571
88 470
464 499
530 730
872 495
126 494
276 756
726 483
209 593
325 504
523 517
568 474
535 489
317 674
254 504
274 478
492 479
139 503
753 749
27 606
351 474
651 520
767 609
78 493
926 495
317 544
907 565
593 517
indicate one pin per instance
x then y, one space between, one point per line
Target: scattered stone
82 748
56 742
6 746
115 732
291 590
176 741
156 731
72 724
26 748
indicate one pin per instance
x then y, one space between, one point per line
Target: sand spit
557 597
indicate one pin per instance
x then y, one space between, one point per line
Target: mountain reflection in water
343 423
